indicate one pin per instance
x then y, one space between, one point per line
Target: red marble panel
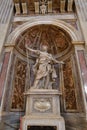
83 66
70 103
19 85
20 123
3 73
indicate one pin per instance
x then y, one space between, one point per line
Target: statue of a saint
45 73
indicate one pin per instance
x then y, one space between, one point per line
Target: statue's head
44 48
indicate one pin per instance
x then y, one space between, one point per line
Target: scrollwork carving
42 105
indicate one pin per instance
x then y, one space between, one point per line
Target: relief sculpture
42 105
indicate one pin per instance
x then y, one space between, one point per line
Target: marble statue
43 7
45 73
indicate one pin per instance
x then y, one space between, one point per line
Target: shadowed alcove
59 45
42 128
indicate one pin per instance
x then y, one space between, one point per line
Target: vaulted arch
47 21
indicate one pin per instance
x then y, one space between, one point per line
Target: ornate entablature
31 7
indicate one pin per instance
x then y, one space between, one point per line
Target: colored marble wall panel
3 73
8 90
19 85
83 67
69 87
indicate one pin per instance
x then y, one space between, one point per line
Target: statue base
42 109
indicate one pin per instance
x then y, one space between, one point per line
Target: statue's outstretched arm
32 50
56 61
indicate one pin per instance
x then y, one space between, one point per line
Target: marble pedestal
43 109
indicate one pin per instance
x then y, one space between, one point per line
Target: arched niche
73 33
58 41
59 37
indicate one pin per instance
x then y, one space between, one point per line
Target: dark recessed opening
41 128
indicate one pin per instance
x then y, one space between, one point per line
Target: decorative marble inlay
69 87
9 84
3 73
83 66
19 85
16 24
72 23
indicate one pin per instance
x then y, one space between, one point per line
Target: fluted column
81 6
6 10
